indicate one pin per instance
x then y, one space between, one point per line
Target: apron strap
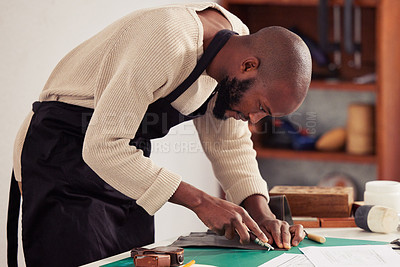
12 222
212 50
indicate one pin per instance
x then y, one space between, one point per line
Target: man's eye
265 111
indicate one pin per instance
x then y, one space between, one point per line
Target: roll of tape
377 219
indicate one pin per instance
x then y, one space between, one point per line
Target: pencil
190 263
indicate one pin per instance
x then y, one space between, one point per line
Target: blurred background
36 35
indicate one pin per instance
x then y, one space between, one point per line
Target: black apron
70 216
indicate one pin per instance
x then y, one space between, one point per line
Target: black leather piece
280 207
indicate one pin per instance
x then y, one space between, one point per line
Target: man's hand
221 216
276 230
226 218
279 231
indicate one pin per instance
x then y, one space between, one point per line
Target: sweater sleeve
228 146
131 72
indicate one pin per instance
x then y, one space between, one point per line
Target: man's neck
213 21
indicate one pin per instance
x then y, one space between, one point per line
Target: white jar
383 193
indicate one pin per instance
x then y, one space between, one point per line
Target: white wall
35 35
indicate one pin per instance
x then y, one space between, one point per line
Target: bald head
265 73
285 66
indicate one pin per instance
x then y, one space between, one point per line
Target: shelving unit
345 86
366 3
343 157
315 155
380 54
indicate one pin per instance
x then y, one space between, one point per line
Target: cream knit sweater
124 68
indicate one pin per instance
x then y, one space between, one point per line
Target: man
89 189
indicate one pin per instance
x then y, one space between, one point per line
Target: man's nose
256 117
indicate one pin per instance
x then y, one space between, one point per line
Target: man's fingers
280 233
243 232
286 236
274 228
259 234
297 232
253 227
218 231
229 232
269 236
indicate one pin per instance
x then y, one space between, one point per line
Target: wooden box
152 260
307 222
338 222
314 201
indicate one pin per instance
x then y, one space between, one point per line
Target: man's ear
249 64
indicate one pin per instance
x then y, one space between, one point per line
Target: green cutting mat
225 257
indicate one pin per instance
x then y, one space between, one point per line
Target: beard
230 92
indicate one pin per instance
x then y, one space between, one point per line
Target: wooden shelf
364 3
314 155
343 85
380 52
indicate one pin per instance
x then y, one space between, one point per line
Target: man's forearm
257 207
188 196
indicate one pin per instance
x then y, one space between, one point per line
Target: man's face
239 100
249 100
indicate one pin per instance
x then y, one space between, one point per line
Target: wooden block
307 222
315 201
338 222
